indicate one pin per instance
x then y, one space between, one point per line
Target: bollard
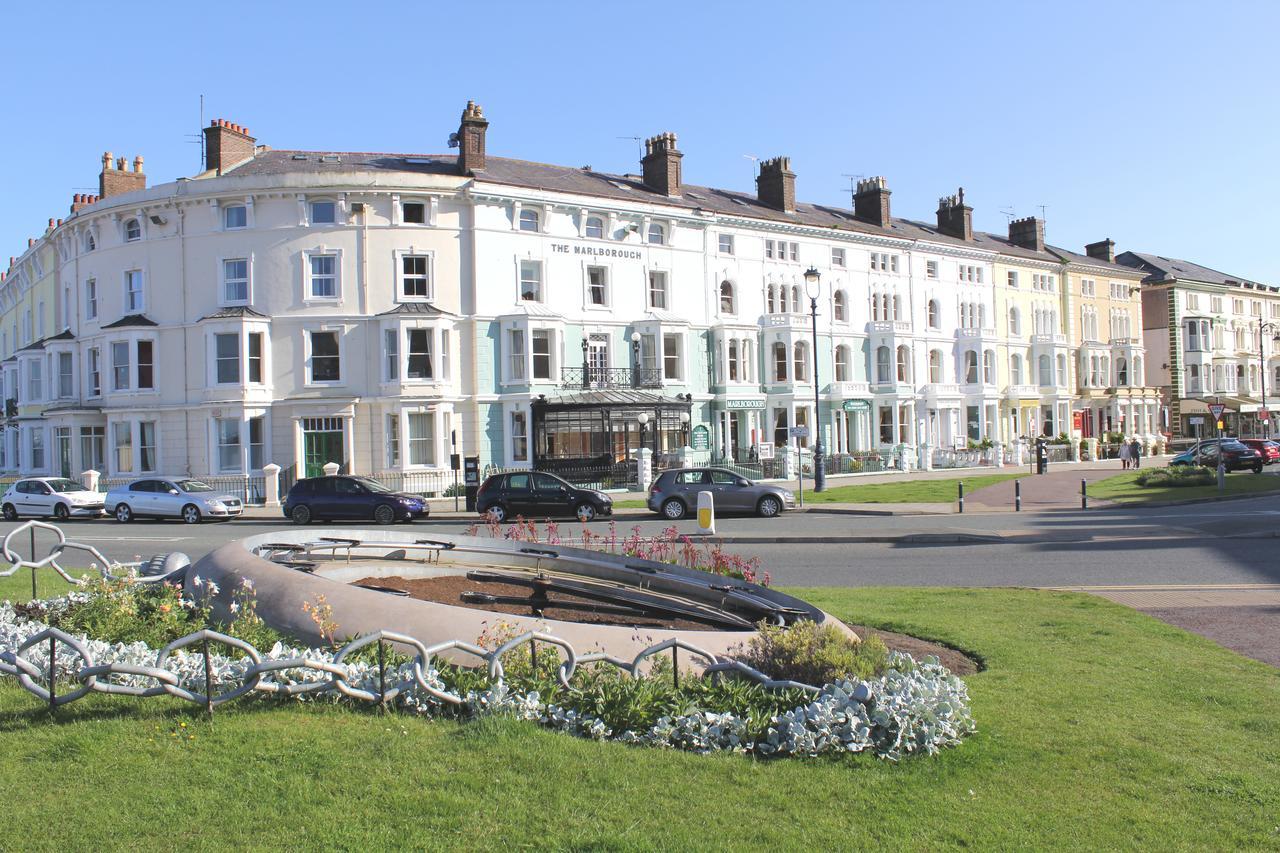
706 514
961 498
1017 496
1084 495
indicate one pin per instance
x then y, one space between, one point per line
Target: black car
1236 456
351 499
535 494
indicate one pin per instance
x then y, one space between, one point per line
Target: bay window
422 445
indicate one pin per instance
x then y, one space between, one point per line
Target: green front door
321 444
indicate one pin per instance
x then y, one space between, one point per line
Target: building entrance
322 440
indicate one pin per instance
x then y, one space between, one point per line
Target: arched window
795 299
89 242
840 306
934 314
989 367
1015 369
1062 370
1122 372
657 234
528 220
935 365
132 231
842 363
904 364
1046 370
726 298
971 366
779 362
1015 321
801 353
595 227
884 365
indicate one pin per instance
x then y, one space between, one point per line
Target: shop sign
701 438
856 406
743 404
764 450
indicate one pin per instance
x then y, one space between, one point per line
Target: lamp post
684 429
812 287
586 368
643 420
1274 329
635 365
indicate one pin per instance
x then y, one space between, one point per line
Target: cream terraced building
383 311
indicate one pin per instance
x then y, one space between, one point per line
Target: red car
1269 449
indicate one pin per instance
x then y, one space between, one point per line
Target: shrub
1176 476
815 654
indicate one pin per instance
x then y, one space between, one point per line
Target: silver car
675 493
170 497
56 496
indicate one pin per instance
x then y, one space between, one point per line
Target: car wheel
585 512
496 513
10 513
60 512
1257 469
769 506
384 515
301 514
191 514
124 514
673 508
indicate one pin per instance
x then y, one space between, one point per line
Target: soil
448 589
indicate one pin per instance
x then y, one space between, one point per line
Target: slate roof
424 309
1160 268
233 312
628 187
131 320
35 346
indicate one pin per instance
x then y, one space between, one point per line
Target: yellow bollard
706 514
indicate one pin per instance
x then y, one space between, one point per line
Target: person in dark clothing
1135 453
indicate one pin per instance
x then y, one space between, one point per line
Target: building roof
620 397
628 187
1160 268
423 309
131 320
233 312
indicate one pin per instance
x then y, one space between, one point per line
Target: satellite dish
453 140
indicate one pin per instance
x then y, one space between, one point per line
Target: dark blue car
351 499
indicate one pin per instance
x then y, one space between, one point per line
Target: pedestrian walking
1135 453
1125 453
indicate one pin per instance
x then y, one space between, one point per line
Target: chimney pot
955 218
137 164
660 165
471 139
226 144
871 201
50 221
776 184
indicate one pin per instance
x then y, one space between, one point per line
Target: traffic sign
1216 409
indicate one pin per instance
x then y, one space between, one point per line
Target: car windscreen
372 485
62 485
193 486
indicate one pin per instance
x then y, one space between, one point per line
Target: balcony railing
610 377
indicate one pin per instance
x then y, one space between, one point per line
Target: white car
176 497
55 496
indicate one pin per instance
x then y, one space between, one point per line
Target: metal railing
249 488
610 377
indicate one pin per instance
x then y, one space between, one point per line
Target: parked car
675 493
55 496
537 494
171 497
348 498
1270 449
1235 455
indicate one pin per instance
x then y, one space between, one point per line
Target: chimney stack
955 218
661 164
871 202
776 184
117 179
227 145
1103 250
471 139
1027 233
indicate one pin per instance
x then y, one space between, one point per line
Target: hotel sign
743 404
596 251
857 406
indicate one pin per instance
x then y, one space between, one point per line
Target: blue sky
1154 124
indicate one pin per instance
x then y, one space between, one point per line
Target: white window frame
308 294
224 212
129 294
665 290
606 275
436 420
218 445
311 210
124 229
399 256
216 359
428 213
679 374
391 438
659 229
838 258
586 226
91 298
540 295
725 243
534 217
308 355
223 281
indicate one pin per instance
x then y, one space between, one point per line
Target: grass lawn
906 491
1122 488
1099 727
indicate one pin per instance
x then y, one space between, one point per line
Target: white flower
246 583
235 607
196 581
213 588
188 603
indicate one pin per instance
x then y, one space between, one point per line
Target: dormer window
595 228
235 216
324 213
528 220
132 231
657 234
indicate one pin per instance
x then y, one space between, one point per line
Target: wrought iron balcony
610 377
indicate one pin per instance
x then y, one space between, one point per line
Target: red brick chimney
80 200
1103 250
955 218
117 178
1028 233
661 164
776 184
871 202
226 145
471 139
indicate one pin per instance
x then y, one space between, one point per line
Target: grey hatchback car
675 493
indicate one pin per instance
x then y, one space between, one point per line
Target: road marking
129 538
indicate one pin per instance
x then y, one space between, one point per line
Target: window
597 286
1046 283
391 354
37 448
935 314
1015 369
971 367
1215 304
35 381
531 281
66 377
90 242
528 220
94 372
1013 278
726 298
1062 370
726 244
235 281
904 364
989 367
837 258
132 230
671 356
227 359
324 213
842 363
884 262
779 362
91 299
146 365
840 306
415 277
595 227
93 443
393 441
255 359
935 365
1046 370
541 353
422 444
1089 288
323 282
413 213
227 431
519 437
515 355
1193 302
235 216
122 441
325 361
257 443
1119 290
657 234
884 362
1122 372
970 273
657 289
1015 321
120 366
133 291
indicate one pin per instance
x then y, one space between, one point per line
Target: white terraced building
382 311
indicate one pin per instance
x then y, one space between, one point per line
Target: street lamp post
811 286
635 361
1274 329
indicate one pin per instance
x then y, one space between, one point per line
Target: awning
612 398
